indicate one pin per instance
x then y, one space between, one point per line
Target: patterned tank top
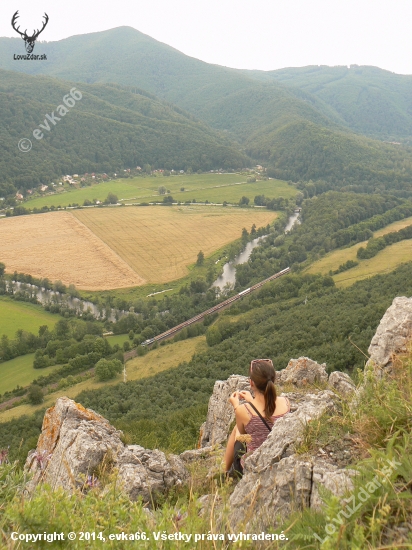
258 430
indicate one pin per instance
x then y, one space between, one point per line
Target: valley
177 167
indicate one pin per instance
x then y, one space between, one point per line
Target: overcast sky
253 34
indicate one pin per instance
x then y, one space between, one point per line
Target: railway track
214 309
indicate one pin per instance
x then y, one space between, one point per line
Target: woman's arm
240 412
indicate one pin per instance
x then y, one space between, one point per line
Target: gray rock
278 490
75 441
198 454
391 337
146 473
342 383
220 412
274 482
332 478
302 372
206 502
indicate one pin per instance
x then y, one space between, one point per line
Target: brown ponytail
262 372
270 399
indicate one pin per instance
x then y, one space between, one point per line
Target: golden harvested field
58 246
385 261
160 242
101 249
338 257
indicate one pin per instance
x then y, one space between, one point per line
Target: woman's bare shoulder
282 405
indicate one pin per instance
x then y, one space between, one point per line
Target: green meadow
201 187
20 372
21 315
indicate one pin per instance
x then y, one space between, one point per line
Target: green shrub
106 369
35 394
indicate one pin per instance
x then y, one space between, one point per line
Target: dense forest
366 99
325 219
295 316
305 124
106 130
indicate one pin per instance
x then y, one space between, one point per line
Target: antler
13 23
46 20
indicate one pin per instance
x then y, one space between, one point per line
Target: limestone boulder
334 479
302 372
75 442
220 412
276 480
342 383
72 443
392 336
147 473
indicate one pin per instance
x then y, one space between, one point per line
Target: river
81 306
46 297
229 269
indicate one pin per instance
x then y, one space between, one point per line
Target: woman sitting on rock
265 402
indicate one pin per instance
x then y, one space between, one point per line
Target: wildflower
42 459
92 481
4 454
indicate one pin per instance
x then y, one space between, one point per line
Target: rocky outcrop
146 473
75 442
391 337
278 481
220 412
302 372
341 383
334 479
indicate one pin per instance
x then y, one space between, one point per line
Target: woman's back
257 429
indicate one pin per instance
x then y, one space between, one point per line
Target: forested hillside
302 150
368 100
298 121
298 315
106 130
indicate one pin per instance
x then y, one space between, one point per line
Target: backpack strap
261 417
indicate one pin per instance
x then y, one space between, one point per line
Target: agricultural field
101 249
58 246
20 372
157 360
159 243
395 226
117 339
21 315
393 256
385 261
211 187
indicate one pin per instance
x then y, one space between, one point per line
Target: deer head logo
29 41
